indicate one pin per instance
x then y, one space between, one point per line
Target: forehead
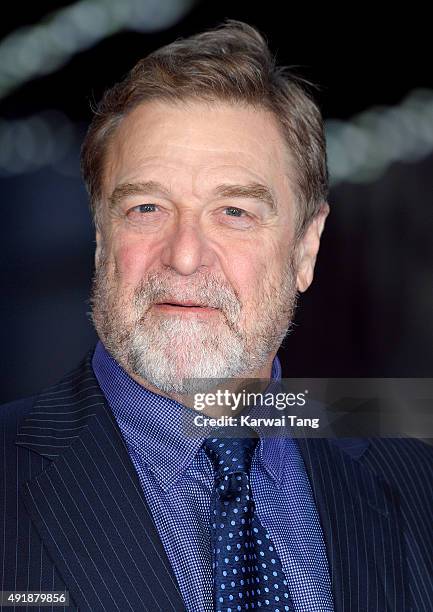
198 143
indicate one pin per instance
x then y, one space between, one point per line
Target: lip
185 308
188 303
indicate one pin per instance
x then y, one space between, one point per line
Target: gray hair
229 63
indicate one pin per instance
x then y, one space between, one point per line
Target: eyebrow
255 191
130 189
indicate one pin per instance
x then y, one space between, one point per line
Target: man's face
196 267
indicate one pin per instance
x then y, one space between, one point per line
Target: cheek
259 266
130 263
247 277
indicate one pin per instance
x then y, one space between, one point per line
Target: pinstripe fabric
74 516
411 463
378 533
73 488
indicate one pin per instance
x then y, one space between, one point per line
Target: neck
255 381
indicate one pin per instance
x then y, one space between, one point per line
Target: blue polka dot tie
246 568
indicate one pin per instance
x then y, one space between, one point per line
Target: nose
186 249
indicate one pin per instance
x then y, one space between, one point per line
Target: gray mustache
211 293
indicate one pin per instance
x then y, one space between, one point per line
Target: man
206 170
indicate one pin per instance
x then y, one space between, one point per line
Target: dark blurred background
369 311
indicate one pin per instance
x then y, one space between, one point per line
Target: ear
308 248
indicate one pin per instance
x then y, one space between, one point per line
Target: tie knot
230 455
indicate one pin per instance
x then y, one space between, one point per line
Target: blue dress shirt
177 481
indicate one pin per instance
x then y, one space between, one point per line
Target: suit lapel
88 505
359 517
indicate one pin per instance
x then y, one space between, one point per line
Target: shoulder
406 464
391 455
12 413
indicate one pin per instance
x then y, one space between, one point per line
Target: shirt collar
153 425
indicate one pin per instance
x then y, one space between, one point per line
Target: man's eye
231 211
144 208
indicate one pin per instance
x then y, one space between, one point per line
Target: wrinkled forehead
198 141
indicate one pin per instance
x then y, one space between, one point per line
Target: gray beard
185 356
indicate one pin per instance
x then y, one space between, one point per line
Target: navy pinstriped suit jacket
74 516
